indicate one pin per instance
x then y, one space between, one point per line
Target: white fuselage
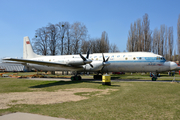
125 61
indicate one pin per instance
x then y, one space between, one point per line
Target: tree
104 43
146 44
170 42
53 39
64 37
114 48
162 39
139 35
131 39
178 35
40 42
68 48
78 33
139 38
155 41
85 46
166 44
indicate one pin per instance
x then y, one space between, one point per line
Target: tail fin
27 49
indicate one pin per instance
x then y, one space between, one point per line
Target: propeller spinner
86 60
105 62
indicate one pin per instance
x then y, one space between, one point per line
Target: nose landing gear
154 76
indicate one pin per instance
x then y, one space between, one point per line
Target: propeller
105 62
86 60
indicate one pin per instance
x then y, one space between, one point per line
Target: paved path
27 116
90 79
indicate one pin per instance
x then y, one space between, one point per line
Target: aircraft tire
153 79
97 77
79 77
76 78
72 78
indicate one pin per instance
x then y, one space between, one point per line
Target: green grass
129 76
144 76
132 100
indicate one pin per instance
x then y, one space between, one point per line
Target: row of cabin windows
134 58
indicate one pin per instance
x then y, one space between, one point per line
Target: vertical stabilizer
27 49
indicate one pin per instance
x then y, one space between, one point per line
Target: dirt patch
60 96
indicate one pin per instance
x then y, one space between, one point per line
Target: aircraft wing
46 63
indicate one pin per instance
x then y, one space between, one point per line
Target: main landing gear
97 77
76 78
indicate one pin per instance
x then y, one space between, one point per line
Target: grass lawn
129 76
131 100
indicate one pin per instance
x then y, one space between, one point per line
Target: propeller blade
88 54
107 59
103 57
91 65
104 62
84 59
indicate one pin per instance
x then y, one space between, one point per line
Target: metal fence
11 67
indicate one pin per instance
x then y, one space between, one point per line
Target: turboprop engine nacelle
78 61
97 66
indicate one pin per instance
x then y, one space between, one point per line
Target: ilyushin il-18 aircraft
97 62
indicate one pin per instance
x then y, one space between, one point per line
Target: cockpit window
164 59
161 58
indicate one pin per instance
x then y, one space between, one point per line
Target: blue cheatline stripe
137 61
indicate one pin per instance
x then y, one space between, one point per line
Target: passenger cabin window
134 58
140 58
126 58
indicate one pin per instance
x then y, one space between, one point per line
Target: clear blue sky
19 18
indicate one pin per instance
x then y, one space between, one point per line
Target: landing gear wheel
76 78
72 78
154 79
79 77
97 77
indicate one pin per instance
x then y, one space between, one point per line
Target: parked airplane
97 62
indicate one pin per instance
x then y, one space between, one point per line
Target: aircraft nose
173 65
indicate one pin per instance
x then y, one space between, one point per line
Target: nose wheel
154 78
